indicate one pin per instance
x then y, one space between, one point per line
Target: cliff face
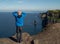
51 16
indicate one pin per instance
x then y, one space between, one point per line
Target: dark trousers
19 33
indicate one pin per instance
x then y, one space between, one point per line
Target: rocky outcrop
49 36
27 39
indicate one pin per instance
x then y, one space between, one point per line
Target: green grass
58 19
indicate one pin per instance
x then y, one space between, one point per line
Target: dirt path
49 36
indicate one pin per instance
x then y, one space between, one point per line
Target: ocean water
8 28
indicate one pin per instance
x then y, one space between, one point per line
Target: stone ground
49 36
12 40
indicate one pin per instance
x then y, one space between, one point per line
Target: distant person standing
19 17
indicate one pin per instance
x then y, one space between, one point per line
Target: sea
8 27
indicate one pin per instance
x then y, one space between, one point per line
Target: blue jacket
19 21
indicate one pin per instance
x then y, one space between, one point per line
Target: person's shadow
13 39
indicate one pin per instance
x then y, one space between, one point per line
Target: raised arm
15 14
24 14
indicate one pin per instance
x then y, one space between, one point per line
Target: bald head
19 12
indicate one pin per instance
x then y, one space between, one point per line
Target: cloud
20 1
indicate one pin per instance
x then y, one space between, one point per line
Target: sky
29 4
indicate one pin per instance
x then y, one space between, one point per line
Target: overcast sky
29 4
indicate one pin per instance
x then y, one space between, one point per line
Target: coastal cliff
49 36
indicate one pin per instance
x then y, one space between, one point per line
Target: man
19 17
